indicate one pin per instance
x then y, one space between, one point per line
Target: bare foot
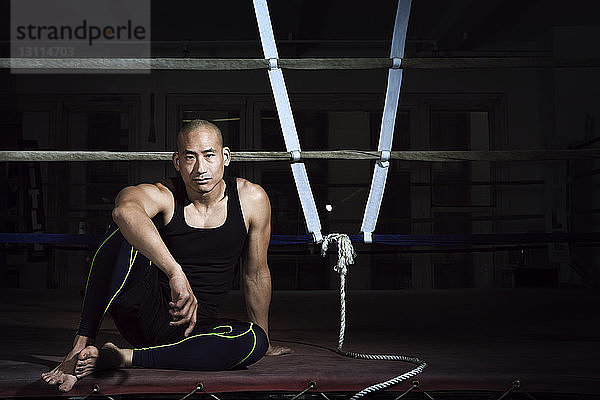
64 373
109 356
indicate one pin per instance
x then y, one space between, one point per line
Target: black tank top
208 256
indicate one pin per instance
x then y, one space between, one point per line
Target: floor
472 340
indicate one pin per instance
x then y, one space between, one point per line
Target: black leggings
124 282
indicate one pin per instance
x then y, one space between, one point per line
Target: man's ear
176 160
226 156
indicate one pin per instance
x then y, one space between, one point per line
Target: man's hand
183 303
278 350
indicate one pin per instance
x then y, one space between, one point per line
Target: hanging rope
346 256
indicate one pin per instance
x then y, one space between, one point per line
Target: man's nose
201 165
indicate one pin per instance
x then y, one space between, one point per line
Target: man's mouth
201 180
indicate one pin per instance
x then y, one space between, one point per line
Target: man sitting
164 286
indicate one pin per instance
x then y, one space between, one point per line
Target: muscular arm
135 207
256 278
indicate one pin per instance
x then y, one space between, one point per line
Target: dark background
469 109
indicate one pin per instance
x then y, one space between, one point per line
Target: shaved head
201 158
197 125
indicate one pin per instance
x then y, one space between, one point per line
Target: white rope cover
346 256
388 121
286 119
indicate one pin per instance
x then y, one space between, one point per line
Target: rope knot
346 251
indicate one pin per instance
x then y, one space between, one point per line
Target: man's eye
210 155
189 157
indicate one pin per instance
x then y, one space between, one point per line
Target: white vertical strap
265 29
307 201
400 28
374 202
286 119
284 110
388 121
390 108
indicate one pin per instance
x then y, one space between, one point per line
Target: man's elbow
122 212
118 214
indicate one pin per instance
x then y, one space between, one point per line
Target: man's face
201 160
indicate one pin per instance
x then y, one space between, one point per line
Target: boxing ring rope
240 64
251 156
402 240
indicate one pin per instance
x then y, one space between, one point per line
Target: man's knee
251 343
261 343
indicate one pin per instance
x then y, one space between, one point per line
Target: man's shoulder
157 188
255 203
250 191
166 184
161 192
153 197
149 188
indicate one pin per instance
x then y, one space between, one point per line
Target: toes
85 353
82 363
55 378
68 383
86 364
85 370
60 378
48 374
83 373
51 377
